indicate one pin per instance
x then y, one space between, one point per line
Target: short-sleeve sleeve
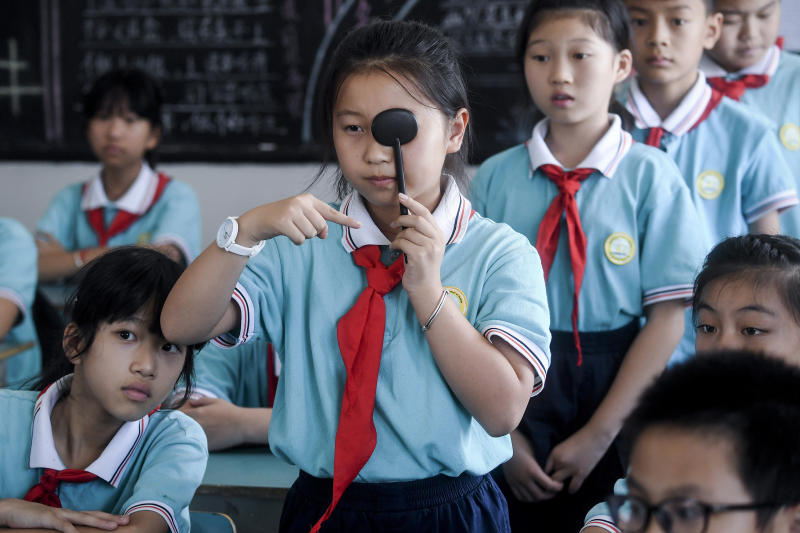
600 514
60 218
171 472
179 220
767 184
18 256
513 303
672 247
259 296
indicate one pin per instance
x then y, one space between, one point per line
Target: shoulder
649 167
740 120
513 157
790 62
174 427
177 188
484 235
13 229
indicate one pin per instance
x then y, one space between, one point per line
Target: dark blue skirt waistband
395 496
596 342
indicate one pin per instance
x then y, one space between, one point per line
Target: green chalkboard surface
240 76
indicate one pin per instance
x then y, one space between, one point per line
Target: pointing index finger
329 213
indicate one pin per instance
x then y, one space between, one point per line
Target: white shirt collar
682 119
604 157
767 65
137 199
112 462
452 215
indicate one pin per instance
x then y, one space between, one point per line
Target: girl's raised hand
423 243
299 217
16 513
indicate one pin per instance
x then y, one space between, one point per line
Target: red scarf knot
360 333
44 492
568 183
735 89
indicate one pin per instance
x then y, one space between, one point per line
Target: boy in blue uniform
17 287
233 393
128 202
747 64
729 158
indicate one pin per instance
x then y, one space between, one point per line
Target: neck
666 97
571 143
81 429
117 180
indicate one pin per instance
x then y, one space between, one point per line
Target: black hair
608 18
122 90
114 287
412 53
766 259
749 400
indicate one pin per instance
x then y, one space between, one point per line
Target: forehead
369 92
745 6
733 292
674 462
667 6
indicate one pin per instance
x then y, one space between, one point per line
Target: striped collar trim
112 462
767 65
137 199
682 119
604 157
452 215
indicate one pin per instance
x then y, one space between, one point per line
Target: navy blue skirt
570 397
441 503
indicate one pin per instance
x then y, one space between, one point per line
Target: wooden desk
249 485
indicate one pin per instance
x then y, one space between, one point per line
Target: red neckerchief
123 219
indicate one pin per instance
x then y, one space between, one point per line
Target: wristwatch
226 239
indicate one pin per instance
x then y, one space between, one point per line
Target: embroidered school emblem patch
458 296
790 136
620 248
710 184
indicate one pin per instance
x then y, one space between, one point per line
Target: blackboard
240 76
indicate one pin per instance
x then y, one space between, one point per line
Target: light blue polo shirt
18 256
153 464
238 375
731 162
640 225
778 101
600 514
294 296
174 218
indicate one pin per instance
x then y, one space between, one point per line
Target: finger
539 494
546 482
305 227
77 518
116 518
521 493
575 484
329 213
413 236
320 224
294 234
414 207
421 224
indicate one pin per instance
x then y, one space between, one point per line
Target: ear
713 30
154 138
623 66
72 343
458 128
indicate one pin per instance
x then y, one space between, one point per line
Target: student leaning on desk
20 356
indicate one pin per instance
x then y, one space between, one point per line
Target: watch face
225 231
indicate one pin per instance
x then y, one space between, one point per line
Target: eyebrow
742 12
347 112
579 40
703 306
674 8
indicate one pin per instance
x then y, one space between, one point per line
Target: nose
561 71
375 153
144 362
115 126
748 29
727 340
658 33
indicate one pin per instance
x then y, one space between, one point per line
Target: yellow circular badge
458 296
790 136
710 184
620 248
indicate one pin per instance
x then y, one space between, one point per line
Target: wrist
601 432
247 235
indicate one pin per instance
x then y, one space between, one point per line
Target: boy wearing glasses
714 448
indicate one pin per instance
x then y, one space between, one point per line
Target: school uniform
152 464
600 514
641 249
293 297
730 161
246 375
18 256
776 100
155 210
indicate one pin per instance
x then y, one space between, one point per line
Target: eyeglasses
675 515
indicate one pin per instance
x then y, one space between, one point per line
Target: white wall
26 188
790 23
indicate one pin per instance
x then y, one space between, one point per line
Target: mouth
137 392
562 100
112 149
658 61
382 181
